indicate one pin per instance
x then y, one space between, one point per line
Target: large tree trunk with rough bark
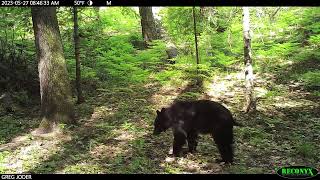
55 90
249 81
77 55
148 26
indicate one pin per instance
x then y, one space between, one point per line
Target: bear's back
201 115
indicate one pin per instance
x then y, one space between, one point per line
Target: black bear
190 118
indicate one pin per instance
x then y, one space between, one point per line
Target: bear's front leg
178 141
192 141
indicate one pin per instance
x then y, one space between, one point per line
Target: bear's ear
163 109
158 112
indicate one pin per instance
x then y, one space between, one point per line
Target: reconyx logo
297 172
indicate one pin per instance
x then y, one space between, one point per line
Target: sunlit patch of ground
227 89
167 94
26 151
284 103
101 112
190 164
106 151
84 167
115 132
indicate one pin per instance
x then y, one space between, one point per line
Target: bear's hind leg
224 141
226 153
192 141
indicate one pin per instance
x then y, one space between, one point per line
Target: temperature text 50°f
79 3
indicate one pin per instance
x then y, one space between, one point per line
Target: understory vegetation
125 83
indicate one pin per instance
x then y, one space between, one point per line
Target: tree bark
77 55
249 82
195 33
55 90
198 79
148 26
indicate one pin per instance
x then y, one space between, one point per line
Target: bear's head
162 121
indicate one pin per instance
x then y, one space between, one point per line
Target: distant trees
15 57
77 55
148 25
249 93
55 90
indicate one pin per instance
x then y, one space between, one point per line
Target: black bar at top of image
197 2
167 2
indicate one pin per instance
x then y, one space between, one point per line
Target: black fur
190 118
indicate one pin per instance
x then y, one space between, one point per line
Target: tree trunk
55 90
274 14
148 26
249 94
198 79
77 55
195 33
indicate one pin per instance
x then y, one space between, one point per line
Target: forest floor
114 134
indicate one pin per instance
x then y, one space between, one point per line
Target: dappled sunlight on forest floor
124 83
27 151
114 134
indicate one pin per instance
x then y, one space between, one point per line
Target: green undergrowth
124 85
